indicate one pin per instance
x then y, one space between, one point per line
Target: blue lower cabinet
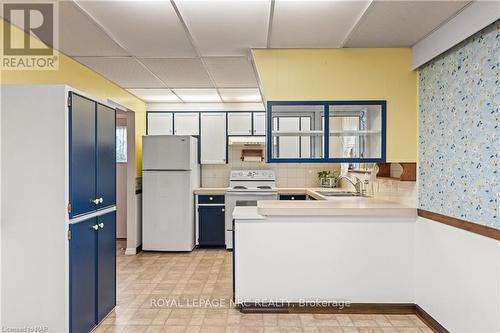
211 221
92 271
82 273
106 265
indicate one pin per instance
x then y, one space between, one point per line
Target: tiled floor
158 292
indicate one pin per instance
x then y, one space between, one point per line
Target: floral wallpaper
459 169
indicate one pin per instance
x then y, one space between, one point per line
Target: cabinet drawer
211 199
292 197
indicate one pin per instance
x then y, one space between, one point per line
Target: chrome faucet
358 185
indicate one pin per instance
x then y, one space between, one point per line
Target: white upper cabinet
186 123
259 123
213 138
239 123
160 124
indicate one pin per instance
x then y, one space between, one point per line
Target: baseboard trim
475 228
130 251
429 320
353 308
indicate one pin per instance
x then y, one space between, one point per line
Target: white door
239 123
160 124
186 124
259 123
213 138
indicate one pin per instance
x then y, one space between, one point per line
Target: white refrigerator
170 172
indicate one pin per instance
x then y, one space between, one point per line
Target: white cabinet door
160 124
213 138
259 123
239 123
186 124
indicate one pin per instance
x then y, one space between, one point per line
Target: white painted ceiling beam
470 20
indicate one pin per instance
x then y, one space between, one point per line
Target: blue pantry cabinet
92 192
63 209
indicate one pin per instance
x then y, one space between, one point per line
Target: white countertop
337 206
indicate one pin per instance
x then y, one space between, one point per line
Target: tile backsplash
287 174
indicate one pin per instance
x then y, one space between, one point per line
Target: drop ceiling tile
231 72
80 36
240 95
124 71
143 28
401 23
198 95
156 95
179 73
314 23
227 27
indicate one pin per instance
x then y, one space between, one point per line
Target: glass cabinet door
355 131
297 131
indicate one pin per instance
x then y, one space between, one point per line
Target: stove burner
240 187
264 187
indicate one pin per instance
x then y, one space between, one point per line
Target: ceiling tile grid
198 50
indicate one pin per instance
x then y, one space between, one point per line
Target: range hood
247 141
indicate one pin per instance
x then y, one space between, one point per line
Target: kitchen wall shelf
409 172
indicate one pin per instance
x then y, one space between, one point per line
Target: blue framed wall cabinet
326 131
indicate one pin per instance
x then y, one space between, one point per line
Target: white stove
247 186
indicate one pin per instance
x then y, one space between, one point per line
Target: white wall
458 277
473 18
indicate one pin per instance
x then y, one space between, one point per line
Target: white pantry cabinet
186 123
259 123
213 138
239 123
160 124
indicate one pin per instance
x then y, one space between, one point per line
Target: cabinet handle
293 198
223 210
95 227
101 225
96 201
211 198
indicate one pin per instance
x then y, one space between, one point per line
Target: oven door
232 197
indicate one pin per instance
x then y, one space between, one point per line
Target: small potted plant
327 178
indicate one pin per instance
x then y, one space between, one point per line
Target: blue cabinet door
106 265
106 156
82 273
211 225
82 155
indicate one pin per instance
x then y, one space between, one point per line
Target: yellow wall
82 78
348 74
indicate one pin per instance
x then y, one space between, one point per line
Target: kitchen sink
339 194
